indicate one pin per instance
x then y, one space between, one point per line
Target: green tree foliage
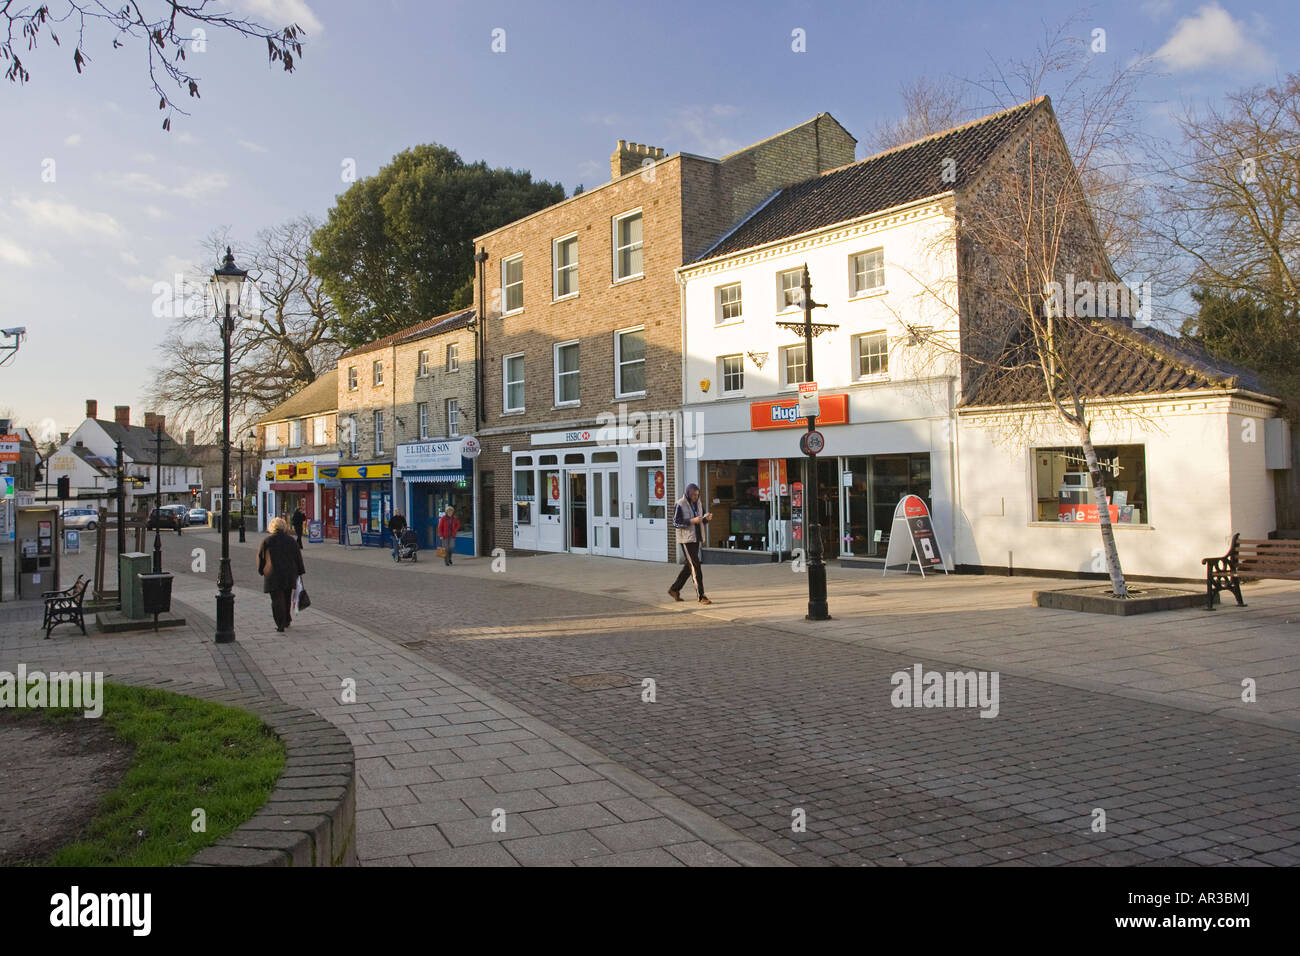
398 246
1239 329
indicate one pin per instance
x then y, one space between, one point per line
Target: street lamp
227 285
243 491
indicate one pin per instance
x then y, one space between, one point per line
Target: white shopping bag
293 602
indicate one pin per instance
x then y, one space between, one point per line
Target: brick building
297 444
582 379
405 404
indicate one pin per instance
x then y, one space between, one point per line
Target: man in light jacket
689 519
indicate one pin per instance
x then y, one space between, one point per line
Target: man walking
689 521
448 525
396 525
299 519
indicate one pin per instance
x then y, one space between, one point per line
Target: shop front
293 487
753 478
367 503
435 474
588 491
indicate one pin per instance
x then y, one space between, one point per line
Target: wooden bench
1274 558
64 607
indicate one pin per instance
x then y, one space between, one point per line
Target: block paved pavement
436 756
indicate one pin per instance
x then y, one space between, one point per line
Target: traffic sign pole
818 609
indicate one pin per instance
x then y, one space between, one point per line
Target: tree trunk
1118 587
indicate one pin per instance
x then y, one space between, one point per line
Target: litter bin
156 593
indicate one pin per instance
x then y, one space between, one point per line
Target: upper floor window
379 433
794 366
872 354
728 302
512 283
295 434
377 373
512 383
352 378
627 245
731 370
271 436
629 362
351 435
868 270
422 412
453 417
453 357
422 364
791 290
565 263
566 374
320 430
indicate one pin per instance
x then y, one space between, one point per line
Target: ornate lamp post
227 286
243 490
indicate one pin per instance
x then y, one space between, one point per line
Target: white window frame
618 361
354 440
296 433
453 356
854 291
422 415
453 417
320 430
720 314
271 437
379 431
505 288
858 341
785 377
556 294
422 363
377 372
555 365
614 246
352 378
722 374
781 304
506 383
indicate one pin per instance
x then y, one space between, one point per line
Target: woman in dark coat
279 562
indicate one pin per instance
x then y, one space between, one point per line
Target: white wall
1203 483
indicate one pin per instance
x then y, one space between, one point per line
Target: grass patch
188 754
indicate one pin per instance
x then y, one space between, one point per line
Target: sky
98 205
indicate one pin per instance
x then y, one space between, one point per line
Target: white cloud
72 140
65 217
696 127
280 13
252 147
13 254
1211 39
154 212
197 186
186 138
128 259
1158 9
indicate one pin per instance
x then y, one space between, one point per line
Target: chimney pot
122 414
92 408
189 438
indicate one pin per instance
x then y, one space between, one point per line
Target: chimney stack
629 157
150 420
189 438
92 408
63 438
122 415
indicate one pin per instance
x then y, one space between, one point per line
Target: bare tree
166 31
280 346
929 106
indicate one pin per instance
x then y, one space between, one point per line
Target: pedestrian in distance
448 526
396 525
689 519
279 562
299 519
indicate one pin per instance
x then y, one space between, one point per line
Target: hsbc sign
577 436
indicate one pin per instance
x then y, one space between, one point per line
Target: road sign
809 402
812 443
10 446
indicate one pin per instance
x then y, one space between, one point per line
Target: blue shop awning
435 477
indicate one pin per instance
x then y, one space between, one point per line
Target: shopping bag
440 552
304 601
293 601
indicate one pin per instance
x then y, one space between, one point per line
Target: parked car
86 519
198 516
168 518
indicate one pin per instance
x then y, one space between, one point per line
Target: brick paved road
752 725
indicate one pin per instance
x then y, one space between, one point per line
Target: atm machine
36 558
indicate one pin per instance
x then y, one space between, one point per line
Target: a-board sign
354 535
71 541
911 536
315 531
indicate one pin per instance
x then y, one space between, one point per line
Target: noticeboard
315 531
71 541
911 537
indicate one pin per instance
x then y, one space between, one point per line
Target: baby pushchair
407 547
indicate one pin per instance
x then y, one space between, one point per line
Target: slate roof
439 324
1116 360
897 176
321 395
138 444
101 463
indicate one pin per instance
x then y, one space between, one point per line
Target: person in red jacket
448 525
